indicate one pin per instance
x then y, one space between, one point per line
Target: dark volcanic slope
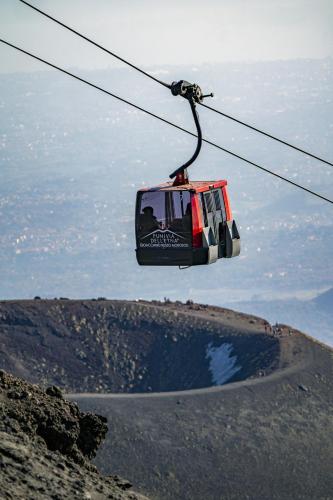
265 435
265 438
118 346
45 444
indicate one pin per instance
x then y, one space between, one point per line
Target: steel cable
165 121
84 37
113 54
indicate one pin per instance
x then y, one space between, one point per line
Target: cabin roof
196 186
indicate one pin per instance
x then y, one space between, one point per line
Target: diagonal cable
84 37
165 121
72 30
267 135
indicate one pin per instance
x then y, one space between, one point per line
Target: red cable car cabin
185 225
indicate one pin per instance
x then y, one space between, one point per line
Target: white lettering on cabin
163 239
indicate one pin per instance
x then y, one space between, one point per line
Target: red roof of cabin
197 186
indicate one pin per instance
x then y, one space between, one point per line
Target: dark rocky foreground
265 434
46 445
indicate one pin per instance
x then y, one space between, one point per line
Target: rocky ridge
46 444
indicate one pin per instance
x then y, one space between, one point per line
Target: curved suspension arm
199 143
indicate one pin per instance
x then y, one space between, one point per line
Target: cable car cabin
185 225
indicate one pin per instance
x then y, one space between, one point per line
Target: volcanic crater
155 369
132 347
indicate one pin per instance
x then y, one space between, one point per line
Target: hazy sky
173 32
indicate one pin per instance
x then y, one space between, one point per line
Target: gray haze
174 32
71 160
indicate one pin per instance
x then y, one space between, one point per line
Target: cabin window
219 196
216 194
165 211
209 202
214 213
204 212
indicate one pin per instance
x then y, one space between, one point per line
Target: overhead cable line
95 43
267 135
87 39
165 121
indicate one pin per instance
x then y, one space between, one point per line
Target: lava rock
54 391
46 444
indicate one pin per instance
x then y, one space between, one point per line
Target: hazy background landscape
172 365
71 159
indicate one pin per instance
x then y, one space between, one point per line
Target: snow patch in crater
222 365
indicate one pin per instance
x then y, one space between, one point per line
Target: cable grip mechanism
193 93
